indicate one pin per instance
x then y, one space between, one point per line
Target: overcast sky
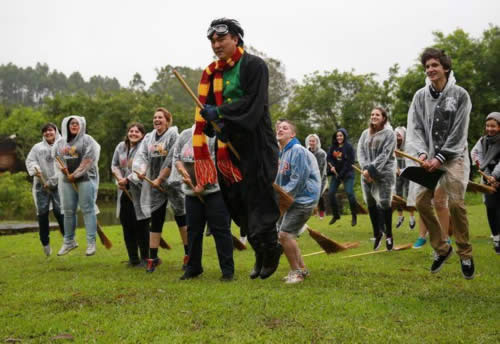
119 38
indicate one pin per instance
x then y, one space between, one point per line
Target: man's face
49 135
224 46
435 70
285 133
312 143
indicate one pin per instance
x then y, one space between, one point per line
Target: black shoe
190 275
439 261
378 242
496 246
334 219
354 220
270 260
257 266
467 268
152 264
227 278
389 244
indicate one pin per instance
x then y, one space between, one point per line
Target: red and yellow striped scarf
204 166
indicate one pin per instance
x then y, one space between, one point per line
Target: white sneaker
295 277
66 247
412 222
91 248
243 239
47 250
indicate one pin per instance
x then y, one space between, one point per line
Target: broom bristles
104 239
237 244
284 199
328 245
164 244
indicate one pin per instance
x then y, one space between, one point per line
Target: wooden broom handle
481 172
66 171
334 170
40 175
200 105
408 156
151 182
357 169
124 190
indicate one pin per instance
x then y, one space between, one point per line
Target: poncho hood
318 144
65 131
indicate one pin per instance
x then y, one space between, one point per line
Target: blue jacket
298 173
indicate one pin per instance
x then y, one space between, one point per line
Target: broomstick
104 239
396 248
159 187
328 245
361 209
40 175
124 190
285 200
237 244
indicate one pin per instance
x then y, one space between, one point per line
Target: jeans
43 200
349 189
213 212
85 198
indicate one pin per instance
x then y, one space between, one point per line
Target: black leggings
493 212
135 232
158 218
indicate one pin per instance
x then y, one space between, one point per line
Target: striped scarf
204 166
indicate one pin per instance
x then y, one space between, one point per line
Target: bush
15 195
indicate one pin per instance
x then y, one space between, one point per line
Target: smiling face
224 46
134 135
285 133
377 120
160 122
74 127
312 143
50 135
340 137
435 71
492 127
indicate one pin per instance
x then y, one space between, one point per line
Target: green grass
380 298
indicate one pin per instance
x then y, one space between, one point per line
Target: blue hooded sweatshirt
298 173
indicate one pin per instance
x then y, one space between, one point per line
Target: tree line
321 103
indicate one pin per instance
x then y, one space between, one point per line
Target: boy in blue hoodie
299 175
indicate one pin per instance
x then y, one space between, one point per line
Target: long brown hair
374 129
138 126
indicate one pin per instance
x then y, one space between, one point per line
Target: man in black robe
244 116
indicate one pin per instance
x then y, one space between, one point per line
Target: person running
234 92
79 180
402 184
128 202
486 155
299 175
340 159
376 157
204 205
313 143
438 122
148 162
40 165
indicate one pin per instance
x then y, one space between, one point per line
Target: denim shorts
293 221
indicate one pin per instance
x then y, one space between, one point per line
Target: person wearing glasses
234 92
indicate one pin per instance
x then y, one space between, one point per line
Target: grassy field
380 298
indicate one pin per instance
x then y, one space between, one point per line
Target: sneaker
290 273
66 247
227 278
305 272
439 261
185 261
152 264
377 242
389 243
467 268
412 222
401 219
91 248
419 243
243 240
334 219
47 250
190 275
295 277
496 246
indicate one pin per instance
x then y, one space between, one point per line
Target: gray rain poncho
150 159
122 165
376 154
320 156
438 127
40 158
80 155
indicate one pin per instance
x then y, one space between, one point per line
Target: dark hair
71 136
334 137
373 129
235 29
166 114
141 129
49 125
438 54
